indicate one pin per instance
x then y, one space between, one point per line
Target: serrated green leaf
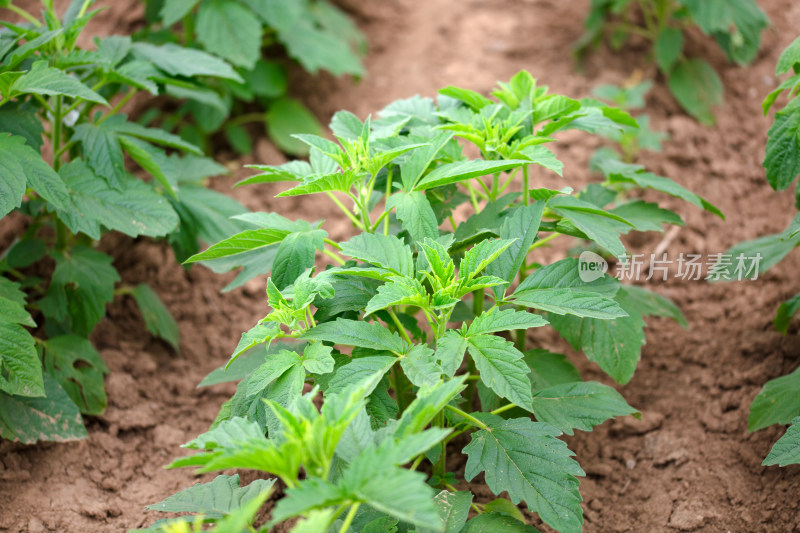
21 368
557 288
179 61
501 368
52 418
317 358
416 165
453 510
581 405
481 256
214 499
295 255
464 170
415 214
23 123
356 333
776 403
79 369
599 225
548 369
420 366
244 241
783 144
136 209
542 156
649 303
157 318
615 345
497 523
359 370
787 450
317 49
646 216
496 320
526 459
385 251
474 100
399 291
697 87
102 151
81 286
428 403
230 30
522 225
174 10
668 47
286 117
21 166
26 50
786 311
49 81
450 350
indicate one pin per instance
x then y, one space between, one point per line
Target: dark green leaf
787 450
287 117
80 370
697 87
157 318
776 403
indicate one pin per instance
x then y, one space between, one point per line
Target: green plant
779 401
735 25
383 331
245 33
62 169
631 140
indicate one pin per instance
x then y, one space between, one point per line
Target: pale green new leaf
526 459
356 333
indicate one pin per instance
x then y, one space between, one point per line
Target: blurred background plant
253 36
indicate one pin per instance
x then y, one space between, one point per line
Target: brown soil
689 465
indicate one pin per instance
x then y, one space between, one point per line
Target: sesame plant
253 37
779 401
63 148
411 343
736 26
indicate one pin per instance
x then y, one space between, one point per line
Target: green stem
466 416
333 255
247 118
188 29
416 462
400 329
477 302
57 133
348 520
441 464
504 409
332 244
117 107
346 211
386 199
525 185
24 14
84 7
542 242
384 216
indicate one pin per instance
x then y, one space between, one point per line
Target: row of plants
75 168
779 401
413 338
